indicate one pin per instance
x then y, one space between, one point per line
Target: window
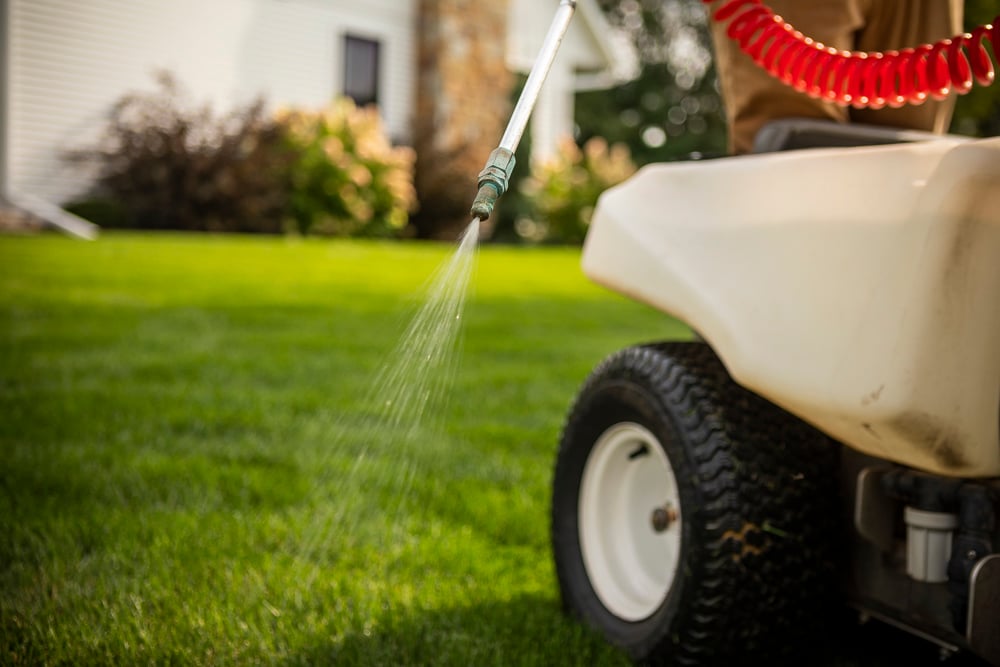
361 69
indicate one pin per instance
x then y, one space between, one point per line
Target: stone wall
463 104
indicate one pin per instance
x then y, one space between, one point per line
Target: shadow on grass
531 630
526 630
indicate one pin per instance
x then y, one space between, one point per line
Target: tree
673 109
978 112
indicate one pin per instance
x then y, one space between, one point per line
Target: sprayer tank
857 288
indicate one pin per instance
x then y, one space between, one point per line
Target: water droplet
414 379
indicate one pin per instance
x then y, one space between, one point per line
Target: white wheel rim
631 563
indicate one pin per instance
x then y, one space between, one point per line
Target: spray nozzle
494 177
493 182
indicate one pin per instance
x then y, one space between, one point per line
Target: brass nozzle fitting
493 182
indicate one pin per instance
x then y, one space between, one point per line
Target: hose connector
493 182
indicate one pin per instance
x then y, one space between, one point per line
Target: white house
64 62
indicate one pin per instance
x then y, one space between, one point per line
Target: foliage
347 178
563 191
657 119
166 164
169 165
673 108
104 211
978 112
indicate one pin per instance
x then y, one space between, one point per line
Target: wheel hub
631 553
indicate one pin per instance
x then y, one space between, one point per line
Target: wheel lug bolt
662 517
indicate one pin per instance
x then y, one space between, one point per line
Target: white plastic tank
857 288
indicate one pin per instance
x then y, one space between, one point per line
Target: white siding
71 59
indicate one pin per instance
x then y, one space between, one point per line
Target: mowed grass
185 476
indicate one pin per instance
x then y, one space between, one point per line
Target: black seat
797 133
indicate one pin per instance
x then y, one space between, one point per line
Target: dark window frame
362 68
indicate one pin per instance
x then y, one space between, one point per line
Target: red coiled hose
871 80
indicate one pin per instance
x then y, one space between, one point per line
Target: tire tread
764 481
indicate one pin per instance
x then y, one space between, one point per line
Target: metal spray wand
494 177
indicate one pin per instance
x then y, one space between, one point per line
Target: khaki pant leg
898 24
752 97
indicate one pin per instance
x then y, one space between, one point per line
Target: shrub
171 166
347 179
563 191
104 212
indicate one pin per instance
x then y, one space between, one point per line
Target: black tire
758 501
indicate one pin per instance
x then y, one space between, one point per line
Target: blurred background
346 118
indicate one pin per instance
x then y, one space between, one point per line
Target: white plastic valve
928 544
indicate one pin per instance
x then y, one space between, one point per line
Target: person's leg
752 97
891 24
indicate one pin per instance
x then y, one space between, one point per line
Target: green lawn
196 466
190 473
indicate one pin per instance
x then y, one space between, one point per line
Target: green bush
562 192
105 212
165 164
168 165
347 179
